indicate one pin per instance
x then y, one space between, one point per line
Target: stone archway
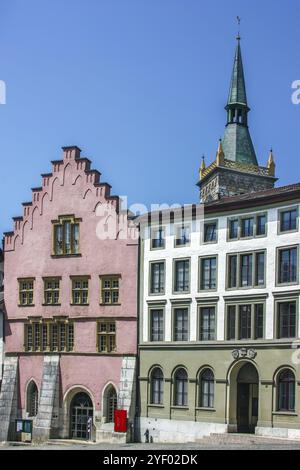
81 412
243 397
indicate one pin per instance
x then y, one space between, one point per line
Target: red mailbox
120 420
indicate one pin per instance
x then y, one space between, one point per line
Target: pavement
214 442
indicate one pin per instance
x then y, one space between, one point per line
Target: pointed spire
237 92
220 154
271 163
203 167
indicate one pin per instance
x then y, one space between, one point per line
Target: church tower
235 169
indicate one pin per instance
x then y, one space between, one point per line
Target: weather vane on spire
239 24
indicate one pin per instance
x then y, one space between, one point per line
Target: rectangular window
80 291
208 273
210 232
207 324
288 220
106 332
246 270
182 235
245 322
157 325
288 265
181 322
261 225
233 229
157 277
51 291
182 276
49 336
110 286
66 236
26 287
287 319
231 319
247 227
157 238
259 321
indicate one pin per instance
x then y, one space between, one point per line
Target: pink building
71 308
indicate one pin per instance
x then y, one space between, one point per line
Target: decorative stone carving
244 353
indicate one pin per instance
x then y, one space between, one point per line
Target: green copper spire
237 143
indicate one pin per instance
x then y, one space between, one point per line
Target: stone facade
71 303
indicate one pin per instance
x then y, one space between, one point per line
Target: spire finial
239 24
220 154
203 167
271 163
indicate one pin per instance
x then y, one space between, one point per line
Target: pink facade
73 189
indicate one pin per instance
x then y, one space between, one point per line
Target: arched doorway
247 399
110 403
81 409
32 401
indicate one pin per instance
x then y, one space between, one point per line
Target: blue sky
140 86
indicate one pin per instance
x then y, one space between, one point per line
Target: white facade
196 249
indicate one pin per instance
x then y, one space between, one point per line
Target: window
247 227
51 291
182 235
157 277
210 232
181 388
80 290
26 287
246 270
207 323
157 238
208 273
110 286
182 276
261 225
49 335
288 220
157 325
287 265
106 336
207 384
157 387
233 229
181 324
245 322
66 236
287 319
286 391
32 399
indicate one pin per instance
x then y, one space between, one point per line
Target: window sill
284 232
213 410
150 405
183 408
51 305
109 305
74 255
284 413
26 305
79 305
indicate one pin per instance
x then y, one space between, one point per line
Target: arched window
157 387
181 388
286 391
32 399
207 389
111 404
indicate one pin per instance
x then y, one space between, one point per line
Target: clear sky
140 86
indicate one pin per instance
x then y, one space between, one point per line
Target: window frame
175 292
239 219
151 263
173 325
200 277
278 391
239 255
199 316
152 230
200 405
210 222
277 274
150 310
107 334
237 304
60 222
27 291
161 390
288 209
73 290
52 291
282 300
174 389
178 227
49 323
111 278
